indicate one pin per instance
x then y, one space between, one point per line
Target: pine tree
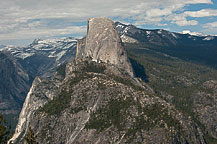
5 131
30 137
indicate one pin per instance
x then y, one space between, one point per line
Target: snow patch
192 33
55 48
174 35
119 25
59 55
159 32
128 39
148 32
208 38
126 29
25 55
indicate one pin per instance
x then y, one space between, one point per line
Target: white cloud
158 12
28 18
210 25
180 20
34 24
201 13
186 22
28 33
199 1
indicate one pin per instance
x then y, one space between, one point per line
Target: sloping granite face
98 100
80 48
92 105
38 95
104 44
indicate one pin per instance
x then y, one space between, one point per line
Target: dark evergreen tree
30 137
5 131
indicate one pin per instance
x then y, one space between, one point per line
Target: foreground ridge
96 99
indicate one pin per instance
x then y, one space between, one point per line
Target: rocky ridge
95 99
23 64
42 56
199 49
205 102
132 34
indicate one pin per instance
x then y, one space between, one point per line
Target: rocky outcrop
80 48
38 95
96 99
20 65
92 105
205 106
103 43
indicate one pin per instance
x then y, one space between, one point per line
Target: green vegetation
173 76
12 120
30 137
139 70
153 116
76 109
91 66
79 76
126 81
62 101
5 131
114 113
198 53
58 104
209 139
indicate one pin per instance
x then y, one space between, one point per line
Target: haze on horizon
22 20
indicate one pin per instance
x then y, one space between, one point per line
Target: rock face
205 106
96 99
43 56
20 65
92 105
38 95
104 44
14 84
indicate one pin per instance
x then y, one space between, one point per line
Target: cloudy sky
21 21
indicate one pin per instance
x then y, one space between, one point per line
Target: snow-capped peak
192 33
120 25
159 31
55 48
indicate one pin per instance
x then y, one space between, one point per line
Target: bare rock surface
96 99
104 44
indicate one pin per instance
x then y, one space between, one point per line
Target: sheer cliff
20 65
103 43
14 84
96 99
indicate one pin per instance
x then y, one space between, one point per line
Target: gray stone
104 44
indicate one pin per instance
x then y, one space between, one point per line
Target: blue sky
22 21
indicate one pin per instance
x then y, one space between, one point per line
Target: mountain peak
103 43
192 33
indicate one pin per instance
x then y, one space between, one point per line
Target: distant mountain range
97 99
14 84
20 65
190 47
42 57
119 84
